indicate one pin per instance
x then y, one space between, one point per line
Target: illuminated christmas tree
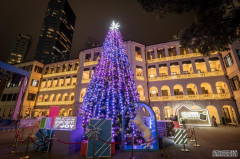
112 87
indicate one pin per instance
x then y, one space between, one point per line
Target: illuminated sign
196 117
65 122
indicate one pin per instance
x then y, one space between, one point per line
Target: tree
215 26
112 87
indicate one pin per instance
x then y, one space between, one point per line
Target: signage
196 117
62 122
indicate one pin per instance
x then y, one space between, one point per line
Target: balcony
176 57
139 59
140 78
184 76
142 98
60 73
86 80
191 97
57 88
90 63
55 103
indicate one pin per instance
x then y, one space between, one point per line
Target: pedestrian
214 121
183 122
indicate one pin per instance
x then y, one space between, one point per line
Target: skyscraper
55 40
20 48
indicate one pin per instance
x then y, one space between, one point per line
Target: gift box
103 130
180 136
46 122
43 136
84 148
67 136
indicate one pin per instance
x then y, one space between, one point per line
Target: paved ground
210 138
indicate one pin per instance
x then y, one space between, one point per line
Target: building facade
10 94
20 48
166 74
56 36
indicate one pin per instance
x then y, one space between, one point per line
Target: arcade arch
229 114
157 112
206 88
178 89
221 87
140 90
153 92
212 110
192 89
168 112
165 91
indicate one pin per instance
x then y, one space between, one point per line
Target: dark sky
93 18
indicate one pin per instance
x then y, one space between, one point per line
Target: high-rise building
20 49
56 36
91 43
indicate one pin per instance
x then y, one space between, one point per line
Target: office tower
20 49
55 40
91 43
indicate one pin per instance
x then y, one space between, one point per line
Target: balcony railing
57 88
86 80
139 59
140 77
142 98
184 76
176 57
60 73
90 63
191 97
55 103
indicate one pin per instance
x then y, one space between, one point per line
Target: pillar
177 48
92 54
157 69
222 64
71 80
55 68
64 82
190 51
143 53
207 64
90 72
180 67
194 66
166 50
169 69
155 52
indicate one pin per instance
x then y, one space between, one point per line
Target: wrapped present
180 136
46 122
43 137
103 130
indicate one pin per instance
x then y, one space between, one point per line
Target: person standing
214 121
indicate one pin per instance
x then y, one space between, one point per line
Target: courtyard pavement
210 138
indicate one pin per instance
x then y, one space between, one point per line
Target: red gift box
83 151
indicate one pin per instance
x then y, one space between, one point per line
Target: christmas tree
112 87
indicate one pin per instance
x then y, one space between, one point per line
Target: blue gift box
103 130
43 136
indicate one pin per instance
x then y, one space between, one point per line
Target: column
190 51
90 72
177 48
222 64
157 69
166 50
67 67
180 67
64 82
55 68
169 69
71 80
73 64
207 64
143 53
159 92
46 83
61 67
52 83
194 66
155 52
185 90
92 54
58 82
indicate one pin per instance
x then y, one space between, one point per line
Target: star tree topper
114 26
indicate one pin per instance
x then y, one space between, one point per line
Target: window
15 96
9 97
228 60
38 69
234 82
34 83
10 113
4 97
31 96
238 53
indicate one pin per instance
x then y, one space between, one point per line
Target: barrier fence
18 133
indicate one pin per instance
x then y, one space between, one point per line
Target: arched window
192 89
82 94
157 112
51 98
153 92
178 90
165 91
58 97
45 99
206 88
221 87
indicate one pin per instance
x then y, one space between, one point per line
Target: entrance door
226 115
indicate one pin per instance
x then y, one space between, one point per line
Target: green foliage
215 26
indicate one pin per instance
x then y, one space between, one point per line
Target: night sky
93 18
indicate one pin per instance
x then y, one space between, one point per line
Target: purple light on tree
112 87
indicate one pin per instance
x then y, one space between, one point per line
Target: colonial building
167 76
